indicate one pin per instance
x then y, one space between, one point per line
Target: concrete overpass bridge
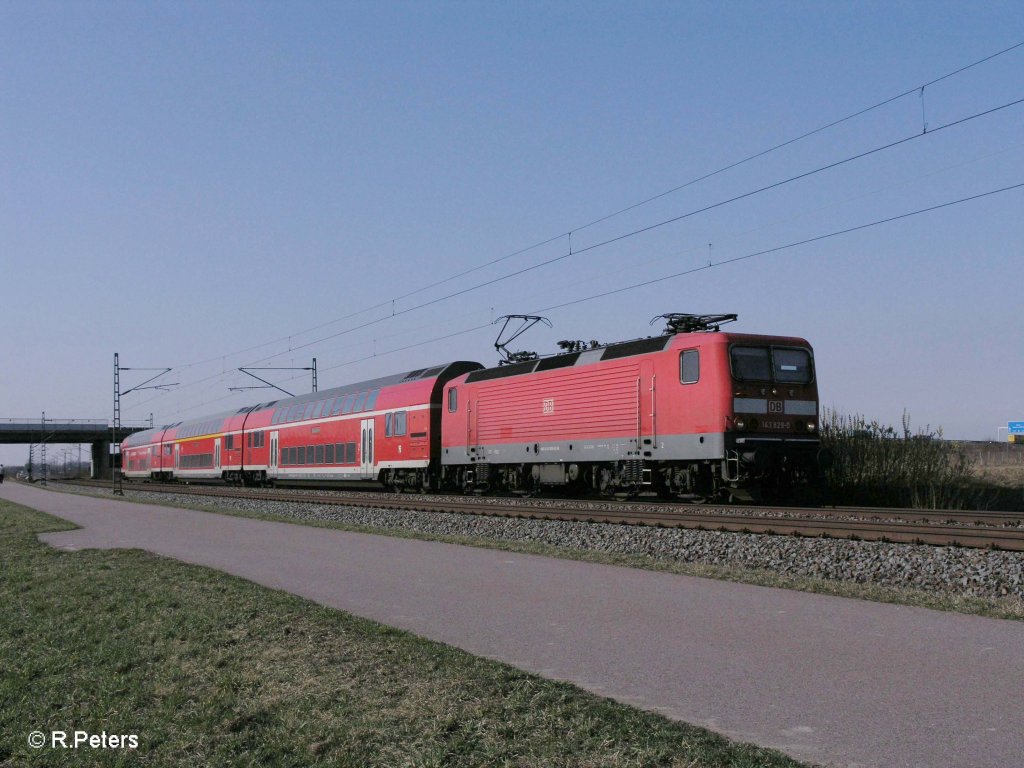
97 432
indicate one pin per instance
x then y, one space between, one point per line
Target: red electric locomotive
693 413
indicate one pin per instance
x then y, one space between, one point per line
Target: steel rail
831 523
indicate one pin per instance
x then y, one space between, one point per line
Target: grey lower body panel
695 447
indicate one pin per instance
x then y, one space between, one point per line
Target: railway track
979 529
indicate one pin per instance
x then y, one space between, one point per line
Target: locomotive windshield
786 365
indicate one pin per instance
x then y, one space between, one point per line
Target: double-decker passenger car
145 455
387 429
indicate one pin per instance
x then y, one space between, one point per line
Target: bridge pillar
101 460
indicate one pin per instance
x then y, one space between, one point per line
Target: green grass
211 670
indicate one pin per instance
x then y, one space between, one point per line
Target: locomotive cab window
751 364
689 366
786 365
792 366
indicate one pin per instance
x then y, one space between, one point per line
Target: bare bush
877 464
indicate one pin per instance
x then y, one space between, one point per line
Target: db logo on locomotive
774 406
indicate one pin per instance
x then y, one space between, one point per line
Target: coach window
371 399
347 407
399 423
329 453
453 400
319 454
387 424
689 366
360 400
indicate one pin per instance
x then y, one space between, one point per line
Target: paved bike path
831 680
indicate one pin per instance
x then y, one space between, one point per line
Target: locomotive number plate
548 405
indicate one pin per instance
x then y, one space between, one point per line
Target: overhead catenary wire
568 232
650 227
619 238
749 158
682 273
776 249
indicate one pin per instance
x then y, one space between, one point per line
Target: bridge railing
35 420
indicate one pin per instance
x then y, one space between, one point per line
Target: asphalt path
830 680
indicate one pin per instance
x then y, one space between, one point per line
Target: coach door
273 450
366 447
216 453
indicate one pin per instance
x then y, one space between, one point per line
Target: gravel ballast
946 570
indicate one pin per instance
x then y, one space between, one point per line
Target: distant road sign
1015 427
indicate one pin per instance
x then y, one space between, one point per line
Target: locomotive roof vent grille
638 347
558 361
414 374
502 372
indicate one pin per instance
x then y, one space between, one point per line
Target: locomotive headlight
741 423
811 426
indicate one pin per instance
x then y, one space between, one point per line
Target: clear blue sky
181 181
